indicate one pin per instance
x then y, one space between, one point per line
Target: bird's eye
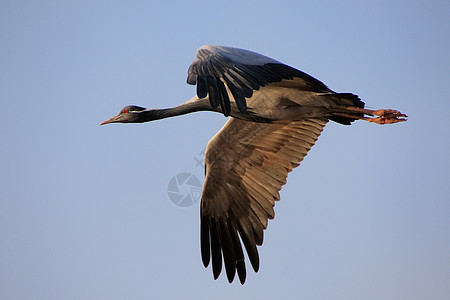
125 111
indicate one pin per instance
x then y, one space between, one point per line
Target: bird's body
277 114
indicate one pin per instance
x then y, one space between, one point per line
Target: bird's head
128 114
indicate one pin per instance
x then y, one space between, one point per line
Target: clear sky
85 211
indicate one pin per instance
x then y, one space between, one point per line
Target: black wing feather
213 91
205 240
216 249
202 87
237 94
239 254
225 100
229 65
228 251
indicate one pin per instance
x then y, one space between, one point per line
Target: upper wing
246 165
217 68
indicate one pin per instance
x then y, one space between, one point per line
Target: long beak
114 119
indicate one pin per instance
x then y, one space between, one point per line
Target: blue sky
85 211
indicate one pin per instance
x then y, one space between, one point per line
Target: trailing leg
380 116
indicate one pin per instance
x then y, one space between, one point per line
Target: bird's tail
342 101
350 108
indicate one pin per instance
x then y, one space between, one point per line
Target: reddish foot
387 116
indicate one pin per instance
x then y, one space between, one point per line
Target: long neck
193 105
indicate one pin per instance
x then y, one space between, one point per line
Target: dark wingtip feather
246 232
213 91
258 233
216 249
205 241
240 266
202 87
241 104
225 100
239 254
192 78
228 251
238 96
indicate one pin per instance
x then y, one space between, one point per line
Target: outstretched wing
217 70
246 165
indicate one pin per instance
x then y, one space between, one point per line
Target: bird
275 115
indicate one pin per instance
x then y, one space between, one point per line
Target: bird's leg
380 116
387 116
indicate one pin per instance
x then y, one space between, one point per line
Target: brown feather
247 164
